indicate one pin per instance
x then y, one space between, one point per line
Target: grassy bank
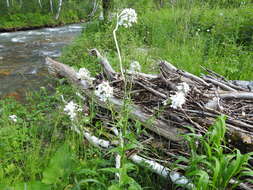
20 22
41 149
217 38
30 15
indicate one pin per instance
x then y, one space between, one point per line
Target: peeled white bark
51 6
96 141
59 10
39 1
7 3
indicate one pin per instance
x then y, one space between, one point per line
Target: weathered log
167 129
157 126
169 67
217 83
109 71
244 84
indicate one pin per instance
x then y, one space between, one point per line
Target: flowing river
22 57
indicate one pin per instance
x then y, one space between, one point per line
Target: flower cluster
135 66
71 109
127 17
84 74
104 91
178 99
14 118
183 87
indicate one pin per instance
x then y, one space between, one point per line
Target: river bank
36 21
26 28
30 15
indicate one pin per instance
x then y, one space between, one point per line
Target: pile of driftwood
210 96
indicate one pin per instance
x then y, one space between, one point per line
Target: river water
22 57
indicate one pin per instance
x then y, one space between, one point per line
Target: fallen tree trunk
208 98
159 127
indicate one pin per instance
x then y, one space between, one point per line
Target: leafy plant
60 167
212 165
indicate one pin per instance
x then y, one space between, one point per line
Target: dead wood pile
210 95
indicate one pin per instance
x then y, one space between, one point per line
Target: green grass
219 39
30 20
41 151
212 165
30 15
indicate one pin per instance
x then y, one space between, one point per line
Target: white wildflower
104 91
71 109
127 17
84 74
183 87
135 66
177 100
208 30
14 118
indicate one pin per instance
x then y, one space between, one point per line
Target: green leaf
61 165
92 181
114 187
32 186
110 170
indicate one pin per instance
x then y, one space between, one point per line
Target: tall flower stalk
126 19
117 46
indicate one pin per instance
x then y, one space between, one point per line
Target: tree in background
7 3
59 9
107 7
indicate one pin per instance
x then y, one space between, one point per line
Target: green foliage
217 38
40 150
211 164
60 167
28 14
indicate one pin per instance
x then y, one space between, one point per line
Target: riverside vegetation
18 15
39 149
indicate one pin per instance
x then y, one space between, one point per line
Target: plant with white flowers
84 74
126 18
179 98
104 91
183 87
14 118
72 109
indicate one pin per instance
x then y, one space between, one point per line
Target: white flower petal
127 17
13 118
177 100
104 91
